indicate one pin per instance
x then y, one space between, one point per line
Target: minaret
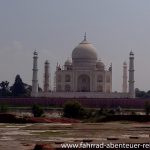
85 36
124 85
110 70
131 75
35 75
46 77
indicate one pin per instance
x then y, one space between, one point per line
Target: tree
18 88
4 89
3 108
142 94
37 110
73 109
28 89
147 108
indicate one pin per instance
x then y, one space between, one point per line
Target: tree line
21 89
142 94
18 89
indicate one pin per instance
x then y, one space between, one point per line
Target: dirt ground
25 136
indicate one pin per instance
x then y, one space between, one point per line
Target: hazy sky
55 27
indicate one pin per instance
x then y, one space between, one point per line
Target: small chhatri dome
35 52
46 62
100 65
68 62
84 51
131 53
124 63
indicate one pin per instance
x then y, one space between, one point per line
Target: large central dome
84 51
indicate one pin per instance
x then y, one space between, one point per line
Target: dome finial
35 52
85 36
131 52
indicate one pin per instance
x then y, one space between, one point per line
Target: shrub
105 112
37 110
133 113
73 109
3 108
89 113
147 108
111 112
119 110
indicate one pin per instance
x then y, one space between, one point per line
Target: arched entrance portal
83 83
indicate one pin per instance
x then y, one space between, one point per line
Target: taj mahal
84 76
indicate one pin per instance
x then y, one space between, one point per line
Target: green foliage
105 112
73 109
28 89
97 115
90 113
18 88
37 110
147 108
119 110
3 108
4 89
111 112
142 94
133 113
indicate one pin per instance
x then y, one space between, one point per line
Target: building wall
86 102
83 95
100 81
63 82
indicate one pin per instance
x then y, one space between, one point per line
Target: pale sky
55 27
